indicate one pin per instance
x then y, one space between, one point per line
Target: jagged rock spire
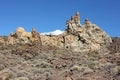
33 29
77 13
76 18
87 23
73 23
88 37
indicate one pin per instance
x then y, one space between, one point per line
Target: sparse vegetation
70 56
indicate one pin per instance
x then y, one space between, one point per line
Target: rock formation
22 37
3 40
73 24
82 52
86 37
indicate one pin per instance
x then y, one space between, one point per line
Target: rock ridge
78 37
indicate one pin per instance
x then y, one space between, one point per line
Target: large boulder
21 33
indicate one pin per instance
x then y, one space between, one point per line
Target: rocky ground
35 62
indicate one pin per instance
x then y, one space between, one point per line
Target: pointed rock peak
86 19
77 13
33 29
76 18
20 29
11 34
73 24
87 22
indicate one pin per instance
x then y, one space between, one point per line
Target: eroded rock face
73 24
86 37
22 37
3 40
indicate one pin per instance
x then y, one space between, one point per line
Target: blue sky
50 15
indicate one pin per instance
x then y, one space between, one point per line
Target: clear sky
50 15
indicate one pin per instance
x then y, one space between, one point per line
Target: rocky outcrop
22 37
86 37
3 40
73 24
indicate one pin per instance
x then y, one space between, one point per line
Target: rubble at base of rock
76 36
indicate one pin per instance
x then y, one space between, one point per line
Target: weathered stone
10 39
20 32
88 37
73 24
87 23
1 41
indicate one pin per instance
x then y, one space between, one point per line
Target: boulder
20 31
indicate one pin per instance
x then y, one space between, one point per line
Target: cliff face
86 37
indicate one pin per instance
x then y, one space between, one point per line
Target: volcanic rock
86 37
